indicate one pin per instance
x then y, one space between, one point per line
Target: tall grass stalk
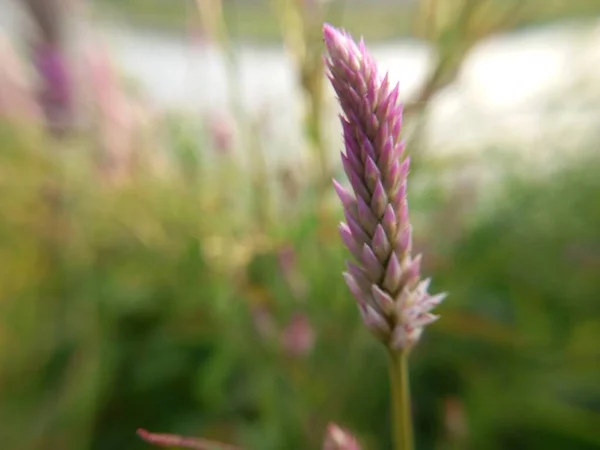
300 24
215 25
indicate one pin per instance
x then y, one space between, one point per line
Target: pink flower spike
397 306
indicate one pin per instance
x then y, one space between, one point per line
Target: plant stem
401 407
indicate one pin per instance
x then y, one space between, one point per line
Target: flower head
385 279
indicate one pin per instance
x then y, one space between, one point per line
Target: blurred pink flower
287 259
221 130
288 265
56 90
298 337
337 438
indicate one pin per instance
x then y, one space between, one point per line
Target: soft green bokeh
160 299
255 20
119 311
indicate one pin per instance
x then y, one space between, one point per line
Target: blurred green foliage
256 21
155 303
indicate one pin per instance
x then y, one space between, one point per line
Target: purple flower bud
394 304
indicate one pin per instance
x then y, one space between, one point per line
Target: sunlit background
169 254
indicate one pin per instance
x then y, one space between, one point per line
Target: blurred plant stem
215 28
401 404
453 28
47 15
300 22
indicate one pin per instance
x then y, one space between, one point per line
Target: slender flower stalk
300 26
385 278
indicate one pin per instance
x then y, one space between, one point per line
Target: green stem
401 413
